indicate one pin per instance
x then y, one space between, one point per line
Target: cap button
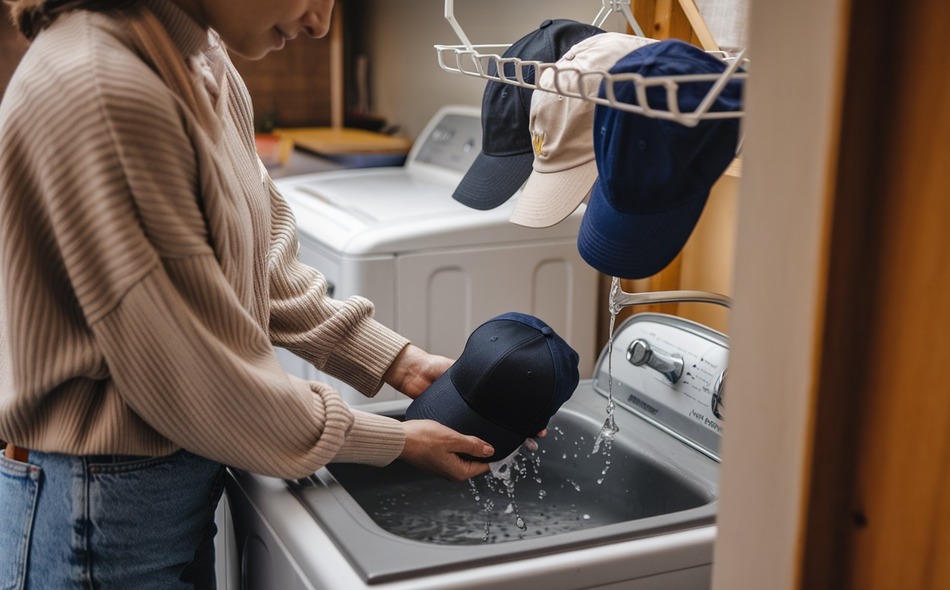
547 331
547 23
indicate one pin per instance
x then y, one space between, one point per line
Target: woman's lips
283 37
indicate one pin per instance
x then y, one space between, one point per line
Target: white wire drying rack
486 61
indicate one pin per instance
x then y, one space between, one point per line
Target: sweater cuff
365 356
372 440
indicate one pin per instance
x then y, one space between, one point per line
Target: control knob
640 353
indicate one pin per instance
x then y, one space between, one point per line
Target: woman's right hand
435 447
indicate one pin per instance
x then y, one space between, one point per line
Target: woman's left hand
415 369
531 444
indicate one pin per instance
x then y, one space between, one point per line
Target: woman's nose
316 22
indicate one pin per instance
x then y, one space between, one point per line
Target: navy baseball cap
512 376
507 156
655 175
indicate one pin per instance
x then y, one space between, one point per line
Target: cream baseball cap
561 129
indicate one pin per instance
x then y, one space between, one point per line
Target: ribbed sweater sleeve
144 263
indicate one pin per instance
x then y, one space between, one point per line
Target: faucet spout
620 298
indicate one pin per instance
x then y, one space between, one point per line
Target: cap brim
549 198
441 402
635 246
492 180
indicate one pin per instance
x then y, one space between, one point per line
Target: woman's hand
436 448
531 444
414 370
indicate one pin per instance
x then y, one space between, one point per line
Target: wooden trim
337 76
698 24
879 502
667 19
840 382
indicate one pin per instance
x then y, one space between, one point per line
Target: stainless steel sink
647 517
400 522
562 488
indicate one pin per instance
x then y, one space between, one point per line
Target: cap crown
648 165
516 372
561 126
506 107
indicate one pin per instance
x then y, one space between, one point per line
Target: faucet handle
640 353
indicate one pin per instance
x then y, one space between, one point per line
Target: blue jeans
108 521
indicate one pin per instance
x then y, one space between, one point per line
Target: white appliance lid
377 211
379 196
409 208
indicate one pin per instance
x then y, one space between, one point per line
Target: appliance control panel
671 372
450 141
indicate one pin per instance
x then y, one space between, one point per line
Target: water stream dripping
605 437
506 472
488 506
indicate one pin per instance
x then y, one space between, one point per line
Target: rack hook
611 6
450 16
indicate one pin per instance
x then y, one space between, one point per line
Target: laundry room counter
303 150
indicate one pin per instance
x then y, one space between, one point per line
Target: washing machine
620 495
434 268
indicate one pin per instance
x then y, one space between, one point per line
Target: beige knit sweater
147 267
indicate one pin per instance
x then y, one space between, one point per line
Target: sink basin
400 522
563 487
571 520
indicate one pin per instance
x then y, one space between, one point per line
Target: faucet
620 298
669 365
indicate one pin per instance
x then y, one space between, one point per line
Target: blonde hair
153 41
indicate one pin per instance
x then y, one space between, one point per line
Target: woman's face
252 28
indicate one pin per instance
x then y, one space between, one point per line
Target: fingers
531 444
436 448
476 447
414 370
466 469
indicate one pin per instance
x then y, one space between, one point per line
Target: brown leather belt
17 453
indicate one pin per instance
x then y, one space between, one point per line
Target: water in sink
483 511
555 491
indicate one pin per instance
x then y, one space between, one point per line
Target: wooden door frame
836 457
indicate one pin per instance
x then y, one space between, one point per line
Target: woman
148 265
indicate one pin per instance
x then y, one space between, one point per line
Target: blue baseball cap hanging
654 175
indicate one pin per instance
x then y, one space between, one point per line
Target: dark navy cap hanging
506 159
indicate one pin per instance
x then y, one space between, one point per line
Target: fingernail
487 451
